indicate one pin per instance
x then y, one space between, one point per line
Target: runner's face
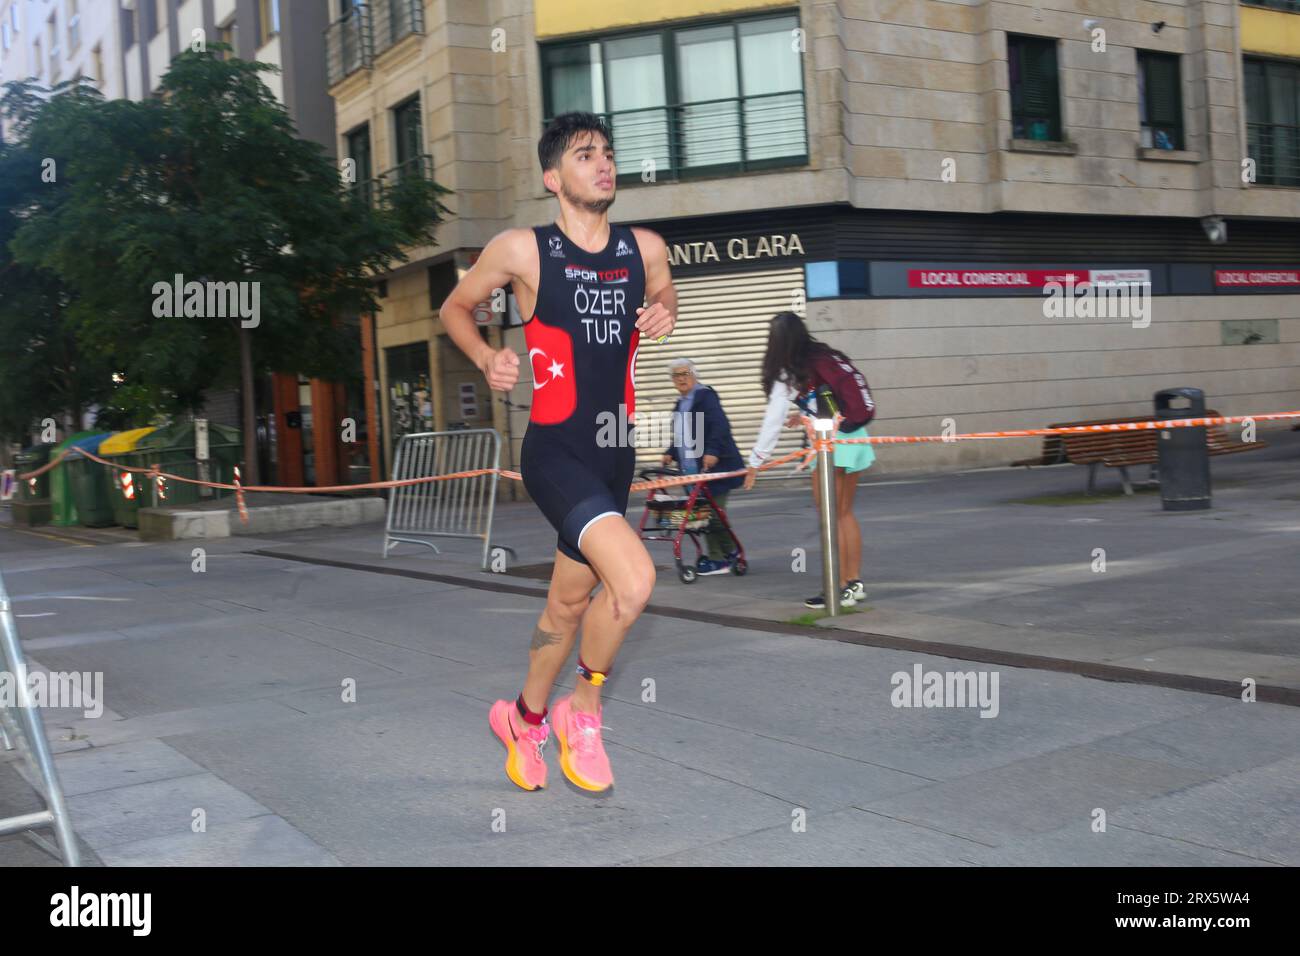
587 172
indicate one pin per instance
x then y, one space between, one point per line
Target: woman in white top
792 371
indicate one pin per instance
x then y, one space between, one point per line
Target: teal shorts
852 457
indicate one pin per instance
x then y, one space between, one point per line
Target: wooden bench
1120 449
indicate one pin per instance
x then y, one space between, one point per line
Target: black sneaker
818 603
859 589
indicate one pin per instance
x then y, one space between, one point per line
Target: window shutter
1163 107
1039 78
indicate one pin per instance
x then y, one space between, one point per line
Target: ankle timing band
596 678
528 715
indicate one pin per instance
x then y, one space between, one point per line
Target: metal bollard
825 429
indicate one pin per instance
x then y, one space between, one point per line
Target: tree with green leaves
43 372
209 183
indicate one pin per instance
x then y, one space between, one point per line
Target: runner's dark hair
560 133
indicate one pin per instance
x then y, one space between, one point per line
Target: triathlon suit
582 345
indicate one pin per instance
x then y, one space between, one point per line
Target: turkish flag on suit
550 355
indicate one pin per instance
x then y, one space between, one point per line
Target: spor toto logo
595 275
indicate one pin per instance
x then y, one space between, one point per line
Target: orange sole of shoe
572 775
512 753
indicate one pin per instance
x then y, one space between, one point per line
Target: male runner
582 282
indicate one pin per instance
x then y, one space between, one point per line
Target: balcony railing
711 137
1275 147
395 20
373 191
354 40
1290 6
348 44
417 167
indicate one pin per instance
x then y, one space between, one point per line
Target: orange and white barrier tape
804 453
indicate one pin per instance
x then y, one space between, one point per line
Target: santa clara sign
736 249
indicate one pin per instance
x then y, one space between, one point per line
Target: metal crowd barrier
456 508
26 731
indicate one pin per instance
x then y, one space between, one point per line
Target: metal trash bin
1182 456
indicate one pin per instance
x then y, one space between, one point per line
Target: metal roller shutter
722 326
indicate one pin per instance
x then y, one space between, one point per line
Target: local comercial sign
1020 278
921 279
1268 277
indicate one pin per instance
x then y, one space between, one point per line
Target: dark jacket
717 439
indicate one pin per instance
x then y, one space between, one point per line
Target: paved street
763 742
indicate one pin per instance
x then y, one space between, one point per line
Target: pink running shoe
525 764
582 754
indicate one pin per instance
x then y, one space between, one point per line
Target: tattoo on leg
543 638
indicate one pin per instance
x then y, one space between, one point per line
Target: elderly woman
705 445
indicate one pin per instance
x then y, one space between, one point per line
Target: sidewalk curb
1264 693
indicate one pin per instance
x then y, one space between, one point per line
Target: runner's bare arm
659 317
498 264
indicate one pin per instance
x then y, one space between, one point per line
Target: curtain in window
1035 100
1161 104
1273 120
637 100
709 131
576 79
770 64
1284 113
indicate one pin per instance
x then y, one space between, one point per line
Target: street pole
825 430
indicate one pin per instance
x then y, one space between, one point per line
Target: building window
268 20
229 34
128 29
5 34
156 21
689 100
74 27
843 279
1273 120
1160 100
442 279
408 133
358 150
97 65
1291 6
1035 94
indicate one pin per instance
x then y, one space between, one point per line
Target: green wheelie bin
124 488
29 459
31 502
63 510
89 481
173 449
